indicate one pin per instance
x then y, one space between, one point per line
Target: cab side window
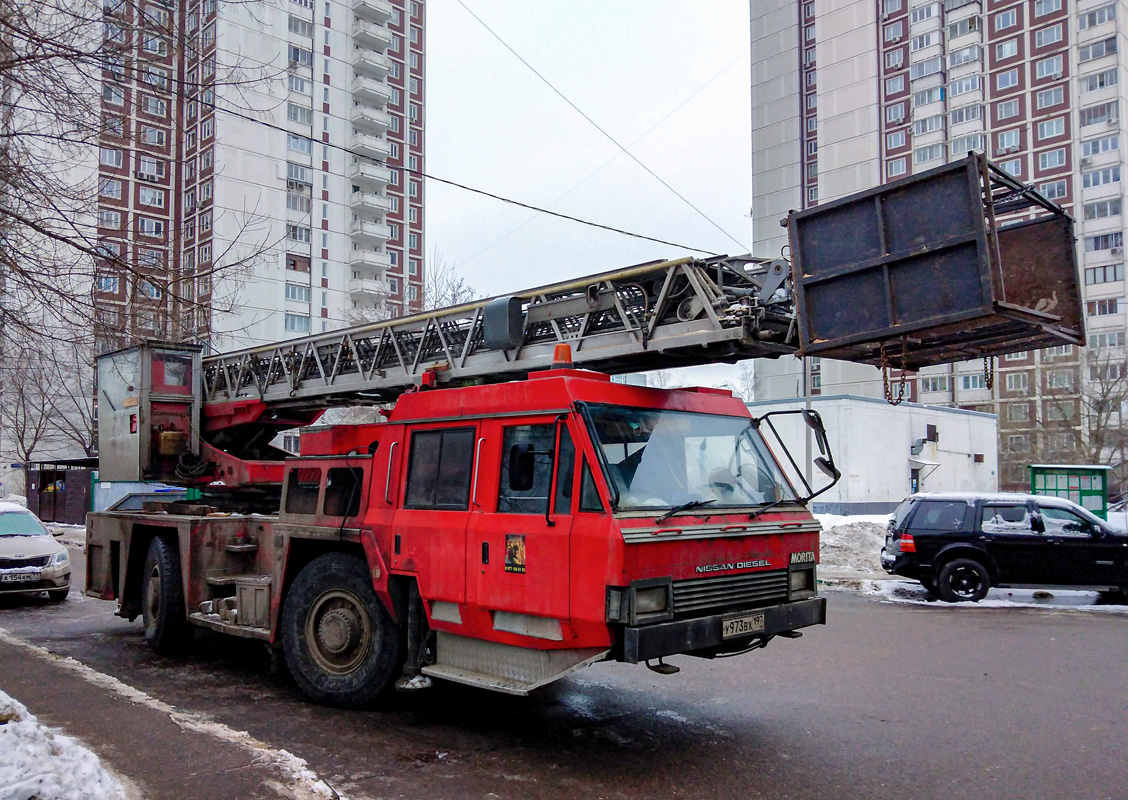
526 468
1004 519
1060 522
302 488
589 495
343 491
439 469
565 474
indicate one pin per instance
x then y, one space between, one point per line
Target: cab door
1080 556
430 521
519 542
1022 554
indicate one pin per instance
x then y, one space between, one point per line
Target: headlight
650 601
60 558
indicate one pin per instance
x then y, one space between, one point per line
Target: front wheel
58 595
162 599
963 580
341 645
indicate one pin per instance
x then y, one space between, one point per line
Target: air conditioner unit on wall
1116 250
1086 162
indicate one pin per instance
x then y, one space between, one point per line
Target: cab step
503 667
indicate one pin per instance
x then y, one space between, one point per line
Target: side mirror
1037 524
828 469
815 423
522 463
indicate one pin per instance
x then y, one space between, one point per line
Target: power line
598 128
606 163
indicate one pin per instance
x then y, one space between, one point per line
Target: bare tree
443 286
746 385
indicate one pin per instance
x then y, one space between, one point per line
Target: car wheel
162 600
1114 598
341 644
58 595
963 580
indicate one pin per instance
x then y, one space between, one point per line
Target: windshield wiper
768 507
684 507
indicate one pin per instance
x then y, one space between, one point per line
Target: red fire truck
516 515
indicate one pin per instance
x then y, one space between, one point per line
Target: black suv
960 545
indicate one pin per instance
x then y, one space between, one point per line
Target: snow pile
852 543
38 762
14 500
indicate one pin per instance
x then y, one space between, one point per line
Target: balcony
368 204
371 146
371 233
370 120
376 10
368 287
370 35
376 65
370 175
371 92
367 259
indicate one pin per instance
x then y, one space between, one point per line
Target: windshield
662 459
21 523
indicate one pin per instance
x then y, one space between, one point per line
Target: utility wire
598 128
605 164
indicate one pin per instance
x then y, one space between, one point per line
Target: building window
1049 97
923 41
1100 177
1013 167
1105 47
148 196
300 57
1006 80
1049 67
1018 412
964 85
1059 379
299 85
1043 7
298 233
1103 308
1054 190
1047 36
1018 442
1104 241
895 113
921 13
150 227
302 27
1102 209
1105 112
963 26
965 144
154 106
297 322
297 293
412 292
1006 19
1021 355
413 241
1101 80
108 218
925 68
971 382
1016 382
109 189
930 153
894 31
935 383
893 85
926 96
928 124
303 116
1098 16
895 140
1050 128
965 114
298 144
1007 140
106 283
113 95
1007 109
1007 49
894 59
413 266
1103 341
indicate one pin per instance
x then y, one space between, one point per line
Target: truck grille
756 588
13 563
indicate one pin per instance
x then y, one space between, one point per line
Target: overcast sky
668 80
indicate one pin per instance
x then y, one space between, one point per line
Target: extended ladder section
651 316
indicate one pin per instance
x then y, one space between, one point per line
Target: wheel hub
338 631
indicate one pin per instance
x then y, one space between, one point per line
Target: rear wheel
162 600
341 645
963 580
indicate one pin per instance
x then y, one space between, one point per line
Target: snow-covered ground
36 761
911 592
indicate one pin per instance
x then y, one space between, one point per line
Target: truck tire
341 644
162 600
963 580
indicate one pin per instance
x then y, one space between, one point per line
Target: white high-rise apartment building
848 94
261 168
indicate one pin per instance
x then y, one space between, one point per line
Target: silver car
31 561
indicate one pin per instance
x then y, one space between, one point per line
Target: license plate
742 626
19 577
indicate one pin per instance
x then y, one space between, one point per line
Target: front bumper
645 642
49 580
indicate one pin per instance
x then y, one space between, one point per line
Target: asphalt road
885 701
